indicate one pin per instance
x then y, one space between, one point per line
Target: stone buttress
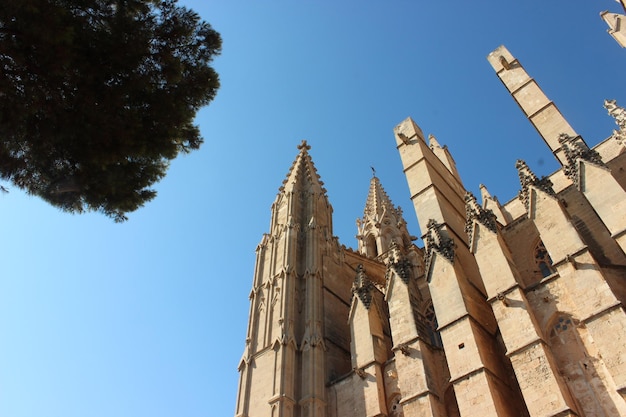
418 361
579 215
479 370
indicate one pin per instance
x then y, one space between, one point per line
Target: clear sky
148 318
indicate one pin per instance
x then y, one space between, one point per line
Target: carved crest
437 242
473 211
363 287
574 149
528 178
398 263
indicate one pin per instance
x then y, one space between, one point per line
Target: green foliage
97 96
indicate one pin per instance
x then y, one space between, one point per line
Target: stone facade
510 309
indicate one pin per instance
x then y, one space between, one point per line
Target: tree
97 96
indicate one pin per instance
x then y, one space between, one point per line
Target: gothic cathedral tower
283 368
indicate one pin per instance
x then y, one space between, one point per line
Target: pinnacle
484 194
380 217
302 174
432 142
378 202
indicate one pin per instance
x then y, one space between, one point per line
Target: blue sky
148 318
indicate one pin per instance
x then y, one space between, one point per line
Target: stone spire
303 198
287 314
382 223
378 202
303 174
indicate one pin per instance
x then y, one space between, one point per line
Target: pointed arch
371 246
542 259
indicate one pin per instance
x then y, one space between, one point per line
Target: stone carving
312 337
473 211
360 372
275 297
398 263
404 348
261 306
528 178
403 137
286 333
574 149
619 113
437 242
395 407
363 287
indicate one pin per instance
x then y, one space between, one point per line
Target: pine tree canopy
97 96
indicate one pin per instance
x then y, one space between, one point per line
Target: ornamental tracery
542 260
437 242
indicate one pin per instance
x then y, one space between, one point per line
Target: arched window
543 260
372 249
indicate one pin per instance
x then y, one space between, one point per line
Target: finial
304 145
373 171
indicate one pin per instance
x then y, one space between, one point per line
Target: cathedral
513 309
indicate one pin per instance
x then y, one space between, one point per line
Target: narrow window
543 260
